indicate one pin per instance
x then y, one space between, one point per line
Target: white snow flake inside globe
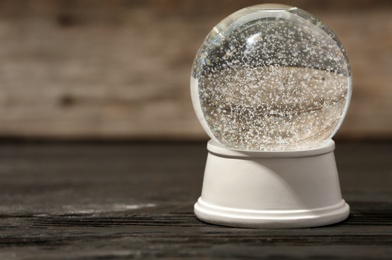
271 78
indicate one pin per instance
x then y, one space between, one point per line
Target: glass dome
271 78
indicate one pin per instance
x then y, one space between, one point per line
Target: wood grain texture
120 69
135 200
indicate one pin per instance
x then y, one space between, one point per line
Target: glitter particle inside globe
272 78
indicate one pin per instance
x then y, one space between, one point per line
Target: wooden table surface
135 200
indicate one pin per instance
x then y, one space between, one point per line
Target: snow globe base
285 189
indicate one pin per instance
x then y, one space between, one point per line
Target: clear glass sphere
272 78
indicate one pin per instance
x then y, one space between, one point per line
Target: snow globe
271 86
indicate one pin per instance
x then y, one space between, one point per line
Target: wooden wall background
120 69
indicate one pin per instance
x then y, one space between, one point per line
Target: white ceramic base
288 189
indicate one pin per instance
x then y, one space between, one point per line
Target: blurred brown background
106 70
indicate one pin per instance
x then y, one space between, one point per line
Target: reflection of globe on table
271 77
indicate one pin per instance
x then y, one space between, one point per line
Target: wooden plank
115 201
120 69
